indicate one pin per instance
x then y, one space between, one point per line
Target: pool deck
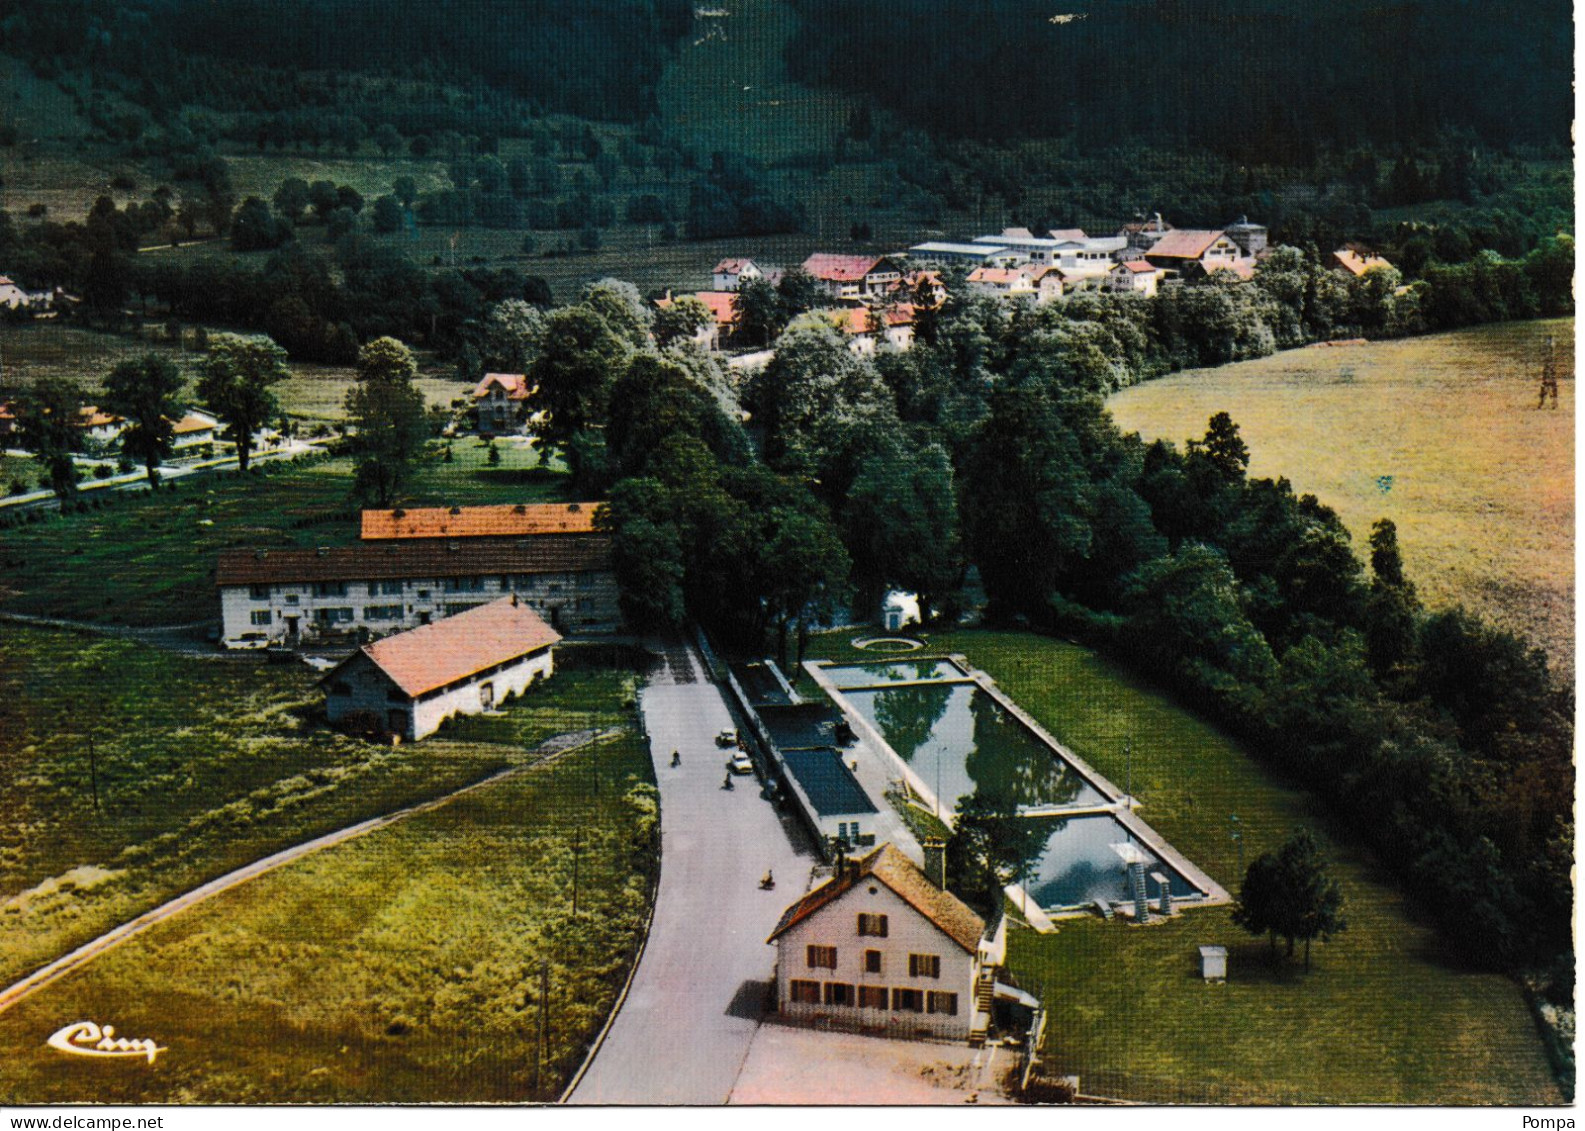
1119 806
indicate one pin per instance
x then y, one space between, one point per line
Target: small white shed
899 610
1213 963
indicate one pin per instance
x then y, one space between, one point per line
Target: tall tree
386 411
901 522
572 376
1289 893
145 391
47 417
234 380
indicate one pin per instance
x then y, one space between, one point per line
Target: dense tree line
1271 82
596 58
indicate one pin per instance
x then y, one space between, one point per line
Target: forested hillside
1254 80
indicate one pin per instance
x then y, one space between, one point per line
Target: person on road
727 784
676 759
769 881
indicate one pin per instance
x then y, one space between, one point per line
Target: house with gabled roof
722 305
730 274
503 520
1193 251
882 947
501 403
1135 276
1355 261
854 276
408 684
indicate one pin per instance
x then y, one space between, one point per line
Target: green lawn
1383 1018
400 967
201 766
149 559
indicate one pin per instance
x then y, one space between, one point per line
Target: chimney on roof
520 509
936 861
573 508
321 550
398 513
456 510
514 600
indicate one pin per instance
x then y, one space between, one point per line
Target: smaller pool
1078 865
895 671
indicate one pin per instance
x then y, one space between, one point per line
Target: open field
1439 434
61 349
398 967
1383 1018
200 767
149 559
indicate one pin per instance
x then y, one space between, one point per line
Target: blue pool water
893 671
1078 865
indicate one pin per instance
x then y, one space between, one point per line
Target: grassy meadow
1384 1017
149 559
1439 434
201 766
400 967
315 393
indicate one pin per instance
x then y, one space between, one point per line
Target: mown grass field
1383 1017
149 559
1481 484
61 349
201 766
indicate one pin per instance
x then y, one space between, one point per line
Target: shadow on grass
518 476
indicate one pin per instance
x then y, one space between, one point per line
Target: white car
739 763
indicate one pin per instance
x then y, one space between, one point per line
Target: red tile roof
842 268
1138 266
1184 243
434 655
997 276
417 558
191 423
89 416
896 871
1243 268
722 304
515 384
732 266
505 521
1355 263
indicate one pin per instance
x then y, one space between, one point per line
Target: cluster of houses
99 431
880 296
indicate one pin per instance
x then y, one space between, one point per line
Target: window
804 993
939 1002
382 612
259 592
908 1001
872 962
423 594
839 993
873 926
872 997
333 616
330 589
260 616
386 588
822 958
464 585
924 966
292 598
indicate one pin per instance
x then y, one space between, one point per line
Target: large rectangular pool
895 671
961 742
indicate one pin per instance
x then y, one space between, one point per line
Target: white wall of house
256 616
908 933
362 687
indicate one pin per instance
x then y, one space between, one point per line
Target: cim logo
85 1038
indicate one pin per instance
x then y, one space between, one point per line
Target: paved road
683 1033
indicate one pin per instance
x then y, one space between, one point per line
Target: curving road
684 1029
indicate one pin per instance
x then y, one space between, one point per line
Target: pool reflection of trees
1008 766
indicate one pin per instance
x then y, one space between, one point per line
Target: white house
1135 276
880 947
899 610
195 427
1190 251
292 596
854 276
13 295
408 684
730 274
501 402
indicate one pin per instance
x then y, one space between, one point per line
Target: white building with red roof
408 684
501 401
722 305
730 274
882 947
854 276
1356 261
1191 251
1135 276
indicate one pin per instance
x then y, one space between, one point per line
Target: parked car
739 763
726 738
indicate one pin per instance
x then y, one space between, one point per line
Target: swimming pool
894 671
1078 865
960 742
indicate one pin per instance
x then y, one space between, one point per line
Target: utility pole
544 1020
